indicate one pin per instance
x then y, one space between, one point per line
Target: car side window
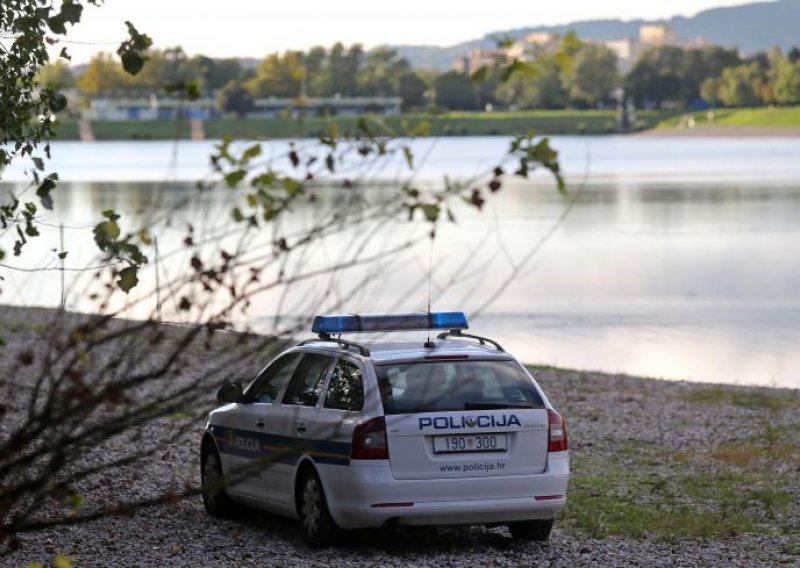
271 380
346 387
306 384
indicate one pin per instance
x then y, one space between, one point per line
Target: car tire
538 530
215 499
317 525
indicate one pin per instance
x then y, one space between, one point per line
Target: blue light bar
390 322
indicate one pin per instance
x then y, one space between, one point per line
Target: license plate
470 444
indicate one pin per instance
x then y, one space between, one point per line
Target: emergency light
389 322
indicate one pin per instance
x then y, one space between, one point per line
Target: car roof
389 351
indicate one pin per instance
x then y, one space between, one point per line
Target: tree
279 76
702 64
103 74
412 90
56 75
742 85
786 85
455 91
216 73
710 90
540 87
318 80
656 76
593 76
380 75
234 98
27 108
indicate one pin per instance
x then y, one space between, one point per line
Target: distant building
626 50
154 108
657 34
477 58
523 48
150 108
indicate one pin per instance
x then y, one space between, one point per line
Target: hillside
750 27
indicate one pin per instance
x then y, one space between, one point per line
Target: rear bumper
361 496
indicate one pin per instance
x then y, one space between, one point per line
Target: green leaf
292 186
329 163
235 177
132 62
105 233
431 211
132 51
128 278
43 193
56 24
236 213
57 102
251 152
38 163
62 255
409 156
71 12
145 237
266 179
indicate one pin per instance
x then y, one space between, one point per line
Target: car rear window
455 385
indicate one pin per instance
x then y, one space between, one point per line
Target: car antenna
430 344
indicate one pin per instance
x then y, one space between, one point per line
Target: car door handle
261 423
301 426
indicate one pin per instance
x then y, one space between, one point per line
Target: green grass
756 399
449 124
644 494
763 117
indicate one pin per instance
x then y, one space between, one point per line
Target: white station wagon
347 435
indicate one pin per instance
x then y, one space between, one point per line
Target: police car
344 435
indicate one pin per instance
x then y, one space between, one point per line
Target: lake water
680 259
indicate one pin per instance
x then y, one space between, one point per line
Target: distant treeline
572 74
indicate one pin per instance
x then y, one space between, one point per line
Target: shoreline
714 131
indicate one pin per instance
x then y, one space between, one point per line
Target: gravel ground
603 412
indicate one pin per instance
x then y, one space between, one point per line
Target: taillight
369 440
557 440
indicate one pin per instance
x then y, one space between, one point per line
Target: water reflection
685 280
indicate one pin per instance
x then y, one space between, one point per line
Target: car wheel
318 527
531 530
215 499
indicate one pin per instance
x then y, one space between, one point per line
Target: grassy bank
748 117
684 460
564 122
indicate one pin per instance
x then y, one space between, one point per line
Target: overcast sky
229 28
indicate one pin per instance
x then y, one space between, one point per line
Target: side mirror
230 392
